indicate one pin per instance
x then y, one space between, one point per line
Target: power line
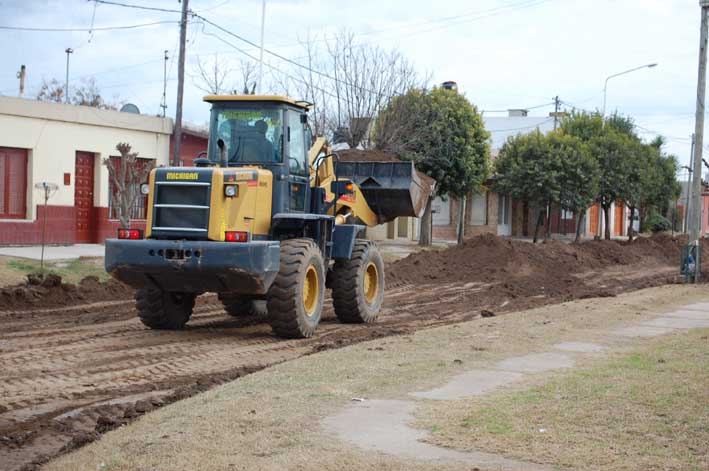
285 59
523 128
518 107
69 30
138 7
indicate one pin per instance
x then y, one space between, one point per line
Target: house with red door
65 145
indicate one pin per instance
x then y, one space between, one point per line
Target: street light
605 95
66 86
605 86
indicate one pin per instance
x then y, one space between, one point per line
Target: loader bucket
392 189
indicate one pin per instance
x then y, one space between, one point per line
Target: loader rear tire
295 299
164 310
358 284
239 306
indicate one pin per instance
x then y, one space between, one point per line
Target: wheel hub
371 283
311 291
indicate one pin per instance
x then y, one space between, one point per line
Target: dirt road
69 374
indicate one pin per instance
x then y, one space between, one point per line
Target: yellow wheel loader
266 220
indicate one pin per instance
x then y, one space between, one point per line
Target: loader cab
270 132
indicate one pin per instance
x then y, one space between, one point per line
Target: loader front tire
164 310
295 299
358 284
239 306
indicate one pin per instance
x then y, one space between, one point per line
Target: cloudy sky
503 53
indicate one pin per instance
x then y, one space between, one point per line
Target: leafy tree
578 176
529 170
442 133
612 145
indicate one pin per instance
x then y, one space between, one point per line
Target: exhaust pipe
222 153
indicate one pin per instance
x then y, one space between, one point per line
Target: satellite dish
130 108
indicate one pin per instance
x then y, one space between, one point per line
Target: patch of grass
647 409
14 270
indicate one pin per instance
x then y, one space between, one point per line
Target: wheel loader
268 216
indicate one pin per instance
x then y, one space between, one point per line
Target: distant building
65 145
489 212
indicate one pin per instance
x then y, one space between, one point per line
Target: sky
502 53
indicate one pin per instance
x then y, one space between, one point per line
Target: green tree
528 169
578 176
612 145
442 133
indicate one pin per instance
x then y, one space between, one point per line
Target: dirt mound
371 155
551 269
46 291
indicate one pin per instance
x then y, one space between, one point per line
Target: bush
657 223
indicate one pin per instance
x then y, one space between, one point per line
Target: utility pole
260 59
699 137
556 111
21 75
163 103
689 187
66 86
180 84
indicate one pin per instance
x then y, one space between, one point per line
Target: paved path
382 425
54 252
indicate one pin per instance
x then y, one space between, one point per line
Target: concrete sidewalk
54 252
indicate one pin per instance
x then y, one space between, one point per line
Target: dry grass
14 270
270 420
647 409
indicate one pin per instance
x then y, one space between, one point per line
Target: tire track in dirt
67 376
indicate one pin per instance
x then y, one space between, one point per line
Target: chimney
518 113
21 75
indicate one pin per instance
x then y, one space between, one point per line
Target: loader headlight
144 189
230 191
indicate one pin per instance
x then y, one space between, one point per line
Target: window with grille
140 208
13 183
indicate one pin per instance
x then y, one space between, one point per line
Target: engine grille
181 208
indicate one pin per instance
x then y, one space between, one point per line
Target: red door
13 183
84 196
593 219
619 219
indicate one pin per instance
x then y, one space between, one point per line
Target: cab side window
296 145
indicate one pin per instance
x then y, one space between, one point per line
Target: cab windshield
250 135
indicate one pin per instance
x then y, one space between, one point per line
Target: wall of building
52 133
191 146
472 228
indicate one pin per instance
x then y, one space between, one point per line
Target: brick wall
61 227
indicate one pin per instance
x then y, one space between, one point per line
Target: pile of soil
551 269
45 291
370 155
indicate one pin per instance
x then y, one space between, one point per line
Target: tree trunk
425 229
536 227
547 233
630 226
641 219
525 219
579 223
461 218
607 218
